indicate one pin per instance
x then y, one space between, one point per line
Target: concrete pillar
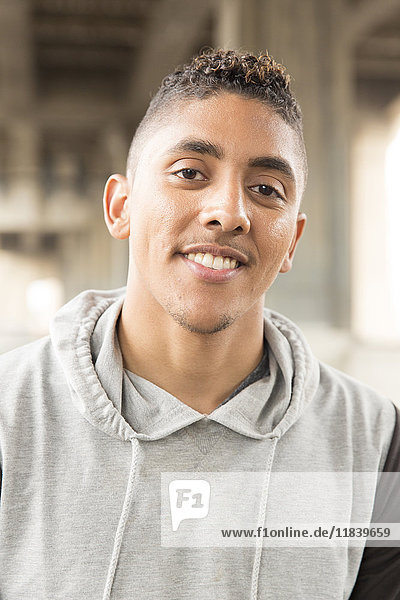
115 143
87 256
336 102
73 263
236 26
22 174
17 108
65 207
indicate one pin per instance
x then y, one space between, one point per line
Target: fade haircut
216 71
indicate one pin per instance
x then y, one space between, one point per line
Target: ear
115 203
288 260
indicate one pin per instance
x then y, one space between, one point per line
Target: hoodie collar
85 340
270 406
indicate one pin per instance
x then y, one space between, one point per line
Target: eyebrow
198 146
275 163
209 148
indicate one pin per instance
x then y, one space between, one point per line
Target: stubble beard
183 319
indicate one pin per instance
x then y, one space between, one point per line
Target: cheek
157 219
274 235
275 232
281 233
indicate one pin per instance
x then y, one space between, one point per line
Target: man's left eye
266 190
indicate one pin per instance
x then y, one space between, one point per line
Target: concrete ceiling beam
368 16
378 68
384 46
62 31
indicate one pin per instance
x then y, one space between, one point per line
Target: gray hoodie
89 452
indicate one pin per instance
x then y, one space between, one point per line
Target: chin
205 326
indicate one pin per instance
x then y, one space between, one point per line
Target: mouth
211 268
214 256
214 262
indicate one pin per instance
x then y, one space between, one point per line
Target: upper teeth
213 262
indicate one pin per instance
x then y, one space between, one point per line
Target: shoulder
27 371
347 389
27 358
368 416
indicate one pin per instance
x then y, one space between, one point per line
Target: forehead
243 128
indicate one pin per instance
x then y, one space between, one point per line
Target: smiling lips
217 263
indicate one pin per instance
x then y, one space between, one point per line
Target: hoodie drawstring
122 520
261 522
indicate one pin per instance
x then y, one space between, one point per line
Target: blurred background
75 79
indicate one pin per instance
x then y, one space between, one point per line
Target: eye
191 174
266 190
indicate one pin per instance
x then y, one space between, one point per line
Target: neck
199 369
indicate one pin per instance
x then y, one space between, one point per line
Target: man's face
221 177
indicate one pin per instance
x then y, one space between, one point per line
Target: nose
226 210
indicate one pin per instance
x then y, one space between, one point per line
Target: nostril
215 222
227 223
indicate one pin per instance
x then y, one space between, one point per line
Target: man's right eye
189 174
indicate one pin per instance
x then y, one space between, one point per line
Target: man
183 378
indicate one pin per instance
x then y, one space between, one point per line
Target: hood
84 336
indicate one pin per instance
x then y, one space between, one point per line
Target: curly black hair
259 77
216 71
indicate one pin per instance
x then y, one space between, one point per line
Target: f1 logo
189 499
